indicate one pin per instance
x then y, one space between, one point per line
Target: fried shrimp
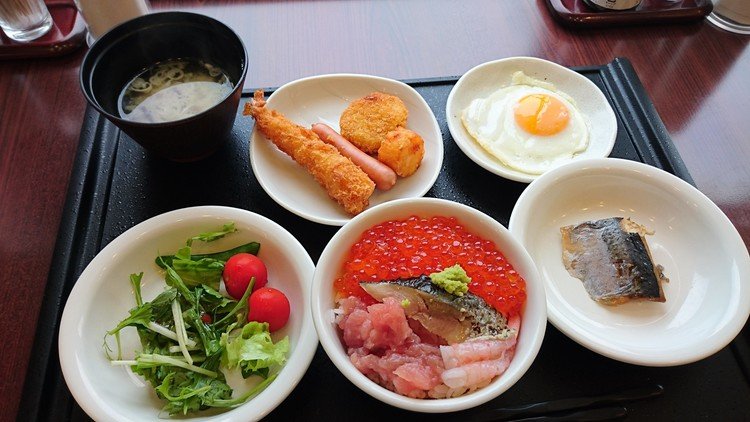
346 183
367 120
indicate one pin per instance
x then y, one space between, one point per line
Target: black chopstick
587 415
549 408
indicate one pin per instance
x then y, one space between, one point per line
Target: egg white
492 124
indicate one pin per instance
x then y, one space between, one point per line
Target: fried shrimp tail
346 183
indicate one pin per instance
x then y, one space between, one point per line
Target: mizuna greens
190 332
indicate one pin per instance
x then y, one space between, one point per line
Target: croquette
402 151
367 120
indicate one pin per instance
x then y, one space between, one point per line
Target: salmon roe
416 246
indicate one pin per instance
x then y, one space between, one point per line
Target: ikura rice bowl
418 338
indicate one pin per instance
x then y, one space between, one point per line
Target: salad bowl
103 295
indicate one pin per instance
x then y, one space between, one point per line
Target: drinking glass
103 15
24 20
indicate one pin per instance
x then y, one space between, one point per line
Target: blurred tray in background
576 13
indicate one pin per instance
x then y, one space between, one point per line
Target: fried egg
529 126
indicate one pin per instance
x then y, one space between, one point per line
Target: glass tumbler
24 20
103 15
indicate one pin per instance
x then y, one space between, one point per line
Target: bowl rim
304 348
108 41
331 345
617 166
500 169
354 76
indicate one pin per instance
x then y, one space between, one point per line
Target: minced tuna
383 346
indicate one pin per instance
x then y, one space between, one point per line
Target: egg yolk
541 114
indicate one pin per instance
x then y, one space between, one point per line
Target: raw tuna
382 345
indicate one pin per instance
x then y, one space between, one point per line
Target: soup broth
173 90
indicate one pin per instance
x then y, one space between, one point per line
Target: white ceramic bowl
483 80
533 322
102 297
707 296
322 99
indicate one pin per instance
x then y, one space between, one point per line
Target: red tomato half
238 271
269 305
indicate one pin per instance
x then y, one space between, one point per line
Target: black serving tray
116 184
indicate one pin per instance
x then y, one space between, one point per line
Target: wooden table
698 77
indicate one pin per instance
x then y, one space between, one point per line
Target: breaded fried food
346 183
367 120
402 150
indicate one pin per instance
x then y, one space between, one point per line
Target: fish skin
454 318
611 257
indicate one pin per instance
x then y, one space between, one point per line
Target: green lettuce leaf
211 236
173 279
204 271
252 248
214 302
135 280
253 350
144 314
187 391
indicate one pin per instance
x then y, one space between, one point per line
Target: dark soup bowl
129 49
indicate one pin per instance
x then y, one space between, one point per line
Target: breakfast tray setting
116 184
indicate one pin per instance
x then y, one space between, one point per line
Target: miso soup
173 90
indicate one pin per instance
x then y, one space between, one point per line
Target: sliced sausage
381 174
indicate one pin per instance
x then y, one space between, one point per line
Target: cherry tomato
269 305
238 271
206 318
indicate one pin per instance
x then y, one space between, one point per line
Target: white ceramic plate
102 297
708 295
487 78
533 318
321 99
